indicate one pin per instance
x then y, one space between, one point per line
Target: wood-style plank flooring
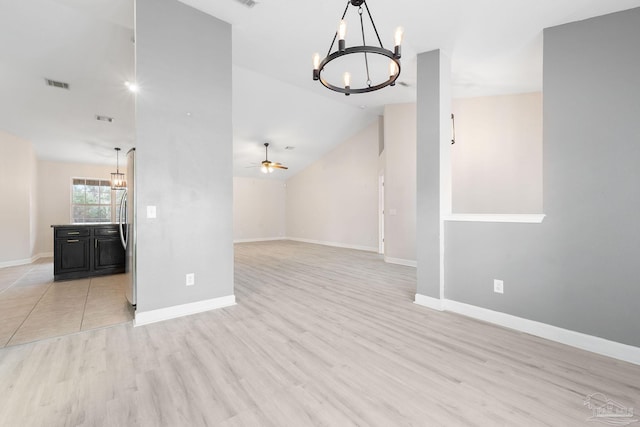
34 307
320 336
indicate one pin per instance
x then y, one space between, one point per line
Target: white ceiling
495 48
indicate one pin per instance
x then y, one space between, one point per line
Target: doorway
381 214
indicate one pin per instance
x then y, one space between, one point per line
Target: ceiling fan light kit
268 166
370 86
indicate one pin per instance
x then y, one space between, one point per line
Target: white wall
497 157
183 162
400 182
54 195
17 191
259 209
335 200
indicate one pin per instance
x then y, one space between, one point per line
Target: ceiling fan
268 166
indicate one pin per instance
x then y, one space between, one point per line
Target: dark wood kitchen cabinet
87 250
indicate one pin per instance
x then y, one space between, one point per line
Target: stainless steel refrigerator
128 229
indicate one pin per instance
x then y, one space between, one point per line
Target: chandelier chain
335 36
374 25
364 43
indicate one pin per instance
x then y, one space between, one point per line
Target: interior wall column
433 176
184 156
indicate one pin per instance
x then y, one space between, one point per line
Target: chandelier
117 178
372 73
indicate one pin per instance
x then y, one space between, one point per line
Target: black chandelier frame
394 55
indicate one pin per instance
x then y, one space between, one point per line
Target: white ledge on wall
522 218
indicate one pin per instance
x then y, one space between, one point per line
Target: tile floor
34 307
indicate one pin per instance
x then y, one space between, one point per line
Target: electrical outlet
191 279
151 211
498 286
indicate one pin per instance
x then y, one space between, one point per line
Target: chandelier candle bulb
316 66
399 35
347 82
393 70
342 33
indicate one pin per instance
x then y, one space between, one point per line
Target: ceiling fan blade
266 163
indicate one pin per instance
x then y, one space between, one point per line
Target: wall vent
104 118
54 83
248 3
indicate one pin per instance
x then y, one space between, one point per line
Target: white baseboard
430 302
405 262
627 353
335 244
26 261
260 239
153 316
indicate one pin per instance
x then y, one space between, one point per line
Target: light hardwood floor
34 307
320 336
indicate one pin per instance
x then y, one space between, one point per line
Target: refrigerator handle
123 220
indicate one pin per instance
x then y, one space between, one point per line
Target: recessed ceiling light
104 118
133 87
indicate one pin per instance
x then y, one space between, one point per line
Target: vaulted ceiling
495 47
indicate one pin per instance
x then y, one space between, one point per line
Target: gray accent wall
429 112
580 268
184 155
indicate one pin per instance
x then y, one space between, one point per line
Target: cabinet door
72 255
108 253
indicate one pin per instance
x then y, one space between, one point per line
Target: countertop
85 224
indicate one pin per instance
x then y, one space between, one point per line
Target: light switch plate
191 279
151 211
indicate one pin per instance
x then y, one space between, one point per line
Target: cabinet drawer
72 232
106 231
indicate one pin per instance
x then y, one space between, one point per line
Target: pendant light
117 178
364 81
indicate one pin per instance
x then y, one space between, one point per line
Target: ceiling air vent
54 83
248 3
104 119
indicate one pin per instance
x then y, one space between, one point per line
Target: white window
92 200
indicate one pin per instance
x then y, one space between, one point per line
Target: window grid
92 200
